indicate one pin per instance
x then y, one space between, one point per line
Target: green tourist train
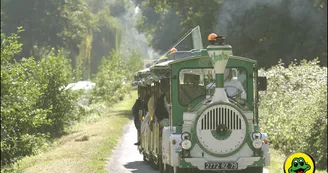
197 111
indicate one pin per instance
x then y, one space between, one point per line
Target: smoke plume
271 29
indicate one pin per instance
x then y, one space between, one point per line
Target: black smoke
269 30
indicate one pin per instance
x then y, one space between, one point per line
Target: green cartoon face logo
299 166
299 163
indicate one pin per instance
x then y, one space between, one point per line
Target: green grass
104 149
103 130
72 154
277 162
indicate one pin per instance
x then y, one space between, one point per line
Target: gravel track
126 158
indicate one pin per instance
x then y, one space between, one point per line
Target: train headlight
186 144
257 143
185 135
256 135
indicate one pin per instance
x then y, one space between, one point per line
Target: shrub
133 63
53 73
294 109
111 79
34 104
19 94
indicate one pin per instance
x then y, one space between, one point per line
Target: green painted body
205 62
200 59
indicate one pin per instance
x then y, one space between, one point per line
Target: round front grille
221 129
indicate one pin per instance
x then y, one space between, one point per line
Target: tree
58 24
34 102
261 30
106 37
111 81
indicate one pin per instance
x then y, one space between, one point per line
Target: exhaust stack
219 54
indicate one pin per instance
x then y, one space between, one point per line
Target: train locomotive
200 112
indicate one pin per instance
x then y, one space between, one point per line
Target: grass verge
85 148
277 162
91 142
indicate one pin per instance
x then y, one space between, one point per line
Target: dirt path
127 159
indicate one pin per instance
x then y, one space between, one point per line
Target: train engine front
218 130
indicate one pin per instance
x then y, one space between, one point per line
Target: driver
232 85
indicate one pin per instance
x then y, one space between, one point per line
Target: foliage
133 63
106 37
261 29
111 82
160 29
85 29
19 93
294 109
58 24
114 76
54 72
34 104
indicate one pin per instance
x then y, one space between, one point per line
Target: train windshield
192 84
195 83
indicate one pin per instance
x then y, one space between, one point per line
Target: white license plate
221 165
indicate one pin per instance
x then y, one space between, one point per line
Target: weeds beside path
277 162
86 148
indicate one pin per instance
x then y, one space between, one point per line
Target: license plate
221 165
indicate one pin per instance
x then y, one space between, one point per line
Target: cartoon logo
299 163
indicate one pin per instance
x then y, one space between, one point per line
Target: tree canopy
87 30
263 30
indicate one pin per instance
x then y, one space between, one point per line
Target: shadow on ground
125 113
139 167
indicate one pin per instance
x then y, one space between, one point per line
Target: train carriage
202 112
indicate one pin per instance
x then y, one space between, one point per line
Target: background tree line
86 30
295 103
263 30
293 110
70 40
45 45
37 106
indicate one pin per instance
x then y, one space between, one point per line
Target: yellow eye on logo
299 163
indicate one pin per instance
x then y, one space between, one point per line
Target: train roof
159 70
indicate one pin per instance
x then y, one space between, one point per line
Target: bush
294 109
34 105
53 73
111 80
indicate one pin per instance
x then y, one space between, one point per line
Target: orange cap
212 37
173 50
266 140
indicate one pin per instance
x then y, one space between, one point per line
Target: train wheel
160 165
169 169
254 170
153 164
178 170
194 170
184 170
145 158
157 164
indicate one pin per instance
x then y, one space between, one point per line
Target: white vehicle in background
81 85
85 86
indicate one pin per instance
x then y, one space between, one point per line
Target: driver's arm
243 92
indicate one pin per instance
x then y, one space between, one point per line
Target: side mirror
134 83
261 83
